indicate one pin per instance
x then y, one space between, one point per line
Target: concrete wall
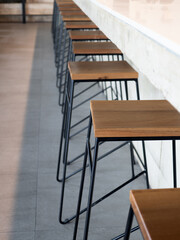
158 79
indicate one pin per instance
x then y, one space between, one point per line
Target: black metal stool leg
137 89
62 100
145 163
91 189
63 132
129 224
58 25
60 145
65 153
62 69
82 180
174 163
126 90
132 158
59 59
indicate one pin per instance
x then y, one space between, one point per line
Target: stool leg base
129 224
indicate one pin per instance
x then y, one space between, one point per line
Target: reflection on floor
30 122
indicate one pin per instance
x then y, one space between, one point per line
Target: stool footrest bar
106 195
123 234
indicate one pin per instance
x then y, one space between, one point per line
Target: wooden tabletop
101 70
80 25
87 35
145 118
75 18
157 212
94 48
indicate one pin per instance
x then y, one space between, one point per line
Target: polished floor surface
30 122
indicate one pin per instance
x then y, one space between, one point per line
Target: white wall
159 78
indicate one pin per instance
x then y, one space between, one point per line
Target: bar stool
60 5
88 72
55 9
60 30
157 212
87 50
65 38
128 121
74 35
97 51
57 18
61 34
93 49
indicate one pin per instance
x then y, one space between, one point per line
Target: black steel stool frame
67 122
93 172
129 223
24 11
65 119
131 212
71 57
60 40
93 169
61 45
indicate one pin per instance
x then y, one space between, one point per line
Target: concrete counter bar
148 33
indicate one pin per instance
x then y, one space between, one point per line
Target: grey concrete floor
30 123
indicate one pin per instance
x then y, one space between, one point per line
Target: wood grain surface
106 70
145 118
157 212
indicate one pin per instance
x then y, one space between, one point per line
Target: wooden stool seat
157 212
87 35
66 3
80 25
145 118
72 13
75 18
101 70
69 8
94 48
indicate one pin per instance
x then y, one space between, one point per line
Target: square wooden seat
101 70
72 13
95 48
135 120
69 8
76 35
157 212
75 18
80 25
66 3
145 118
